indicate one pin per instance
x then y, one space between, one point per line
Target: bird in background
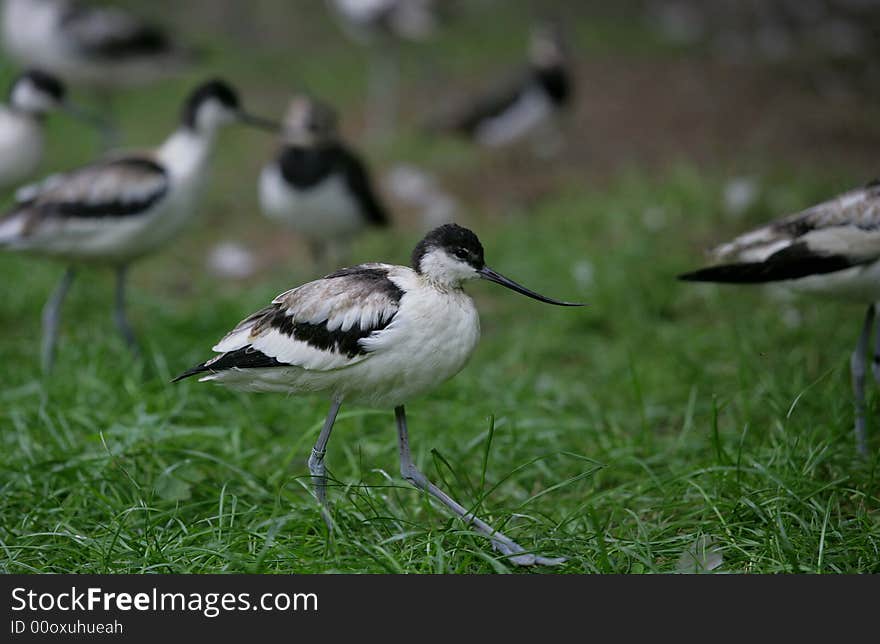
100 47
832 251
382 26
123 207
373 334
33 95
530 105
317 185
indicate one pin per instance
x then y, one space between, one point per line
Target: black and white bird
88 45
101 47
381 26
114 211
371 20
374 334
316 185
527 106
831 250
32 96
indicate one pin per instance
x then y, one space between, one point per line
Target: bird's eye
461 253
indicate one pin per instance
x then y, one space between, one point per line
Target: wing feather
847 223
118 187
317 326
113 33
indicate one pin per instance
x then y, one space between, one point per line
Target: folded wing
115 188
840 233
319 326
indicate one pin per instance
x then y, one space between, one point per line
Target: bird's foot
518 555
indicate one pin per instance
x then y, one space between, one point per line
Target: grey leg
119 311
500 542
875 363
52 318
316 460
858 368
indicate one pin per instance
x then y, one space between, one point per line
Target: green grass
664 419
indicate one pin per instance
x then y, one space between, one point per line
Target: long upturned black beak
259 122
488 274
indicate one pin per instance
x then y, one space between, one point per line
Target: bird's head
216 103
308 122
547 46
450 255
37 93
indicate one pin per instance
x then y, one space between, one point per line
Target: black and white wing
834 235
323 325
116 188
468 118
113 34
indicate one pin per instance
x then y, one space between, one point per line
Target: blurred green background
665 427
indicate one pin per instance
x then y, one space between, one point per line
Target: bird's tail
771 271
747 273
201 368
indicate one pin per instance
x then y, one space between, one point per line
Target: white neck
184 153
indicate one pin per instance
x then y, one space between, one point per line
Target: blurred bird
528 105
375 334
831 250
32 96
318 186
123 207
371 20
382 25
100 47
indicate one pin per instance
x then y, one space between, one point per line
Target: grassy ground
665 424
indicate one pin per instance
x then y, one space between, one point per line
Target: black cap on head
458 242
44 82
214 89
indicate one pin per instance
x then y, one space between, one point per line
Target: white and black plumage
374 334
32 96
101 47
831 250
90 45
528 105
370 20
316 185
116 210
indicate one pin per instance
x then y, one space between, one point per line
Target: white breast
326 212
430 340
529 111
21 147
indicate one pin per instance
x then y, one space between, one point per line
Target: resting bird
115 211
528 106
32 96
317 185
101 47
831 250
88 45
374 334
